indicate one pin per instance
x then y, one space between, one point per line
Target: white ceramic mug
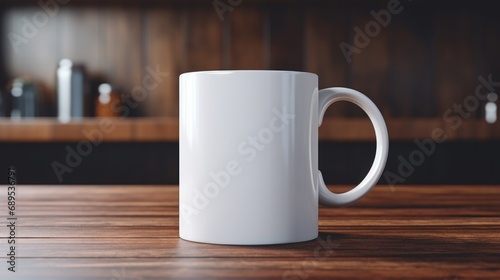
249 155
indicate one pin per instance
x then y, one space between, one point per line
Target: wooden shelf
360 129
167 130
112 130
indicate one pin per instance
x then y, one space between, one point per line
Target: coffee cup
249 155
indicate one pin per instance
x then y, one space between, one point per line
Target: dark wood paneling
488 54
456 70
205 39
287 25
411 62
166 41
427 59
370 67
325 31
247 38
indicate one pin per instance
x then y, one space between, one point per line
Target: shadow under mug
249 155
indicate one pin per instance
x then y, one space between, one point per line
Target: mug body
248 157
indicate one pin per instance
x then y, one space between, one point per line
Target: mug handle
329 96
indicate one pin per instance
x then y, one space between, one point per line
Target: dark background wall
340 163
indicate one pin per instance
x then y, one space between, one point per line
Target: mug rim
228 71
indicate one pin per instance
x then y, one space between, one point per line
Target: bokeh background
427 60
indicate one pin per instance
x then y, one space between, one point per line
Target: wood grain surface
166 129
131 232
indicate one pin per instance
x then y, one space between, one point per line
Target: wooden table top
131 232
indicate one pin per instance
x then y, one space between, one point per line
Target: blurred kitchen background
421 67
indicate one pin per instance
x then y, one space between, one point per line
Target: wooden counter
131 232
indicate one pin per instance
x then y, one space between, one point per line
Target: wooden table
131 232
